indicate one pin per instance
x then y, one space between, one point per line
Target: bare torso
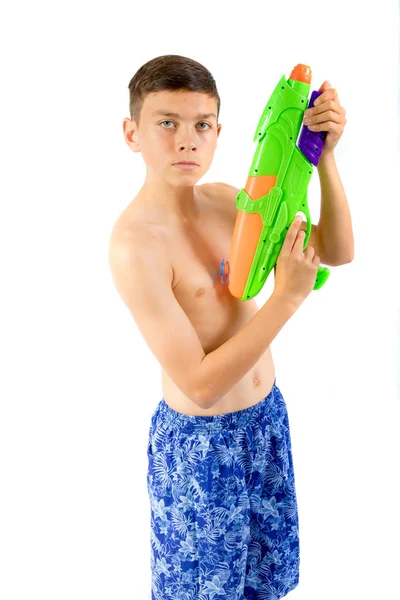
195 252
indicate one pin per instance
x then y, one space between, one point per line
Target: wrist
290 301
326 158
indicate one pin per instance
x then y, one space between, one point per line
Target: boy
224 520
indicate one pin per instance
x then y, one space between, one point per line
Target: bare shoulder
136 225
131 238
219 188
223 193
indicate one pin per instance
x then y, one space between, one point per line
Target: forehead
184 103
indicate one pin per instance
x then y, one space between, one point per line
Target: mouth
185 164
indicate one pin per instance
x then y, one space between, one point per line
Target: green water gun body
276 187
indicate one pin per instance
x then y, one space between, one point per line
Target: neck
176 202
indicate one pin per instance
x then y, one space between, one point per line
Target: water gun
276 187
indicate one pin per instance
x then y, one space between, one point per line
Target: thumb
325 86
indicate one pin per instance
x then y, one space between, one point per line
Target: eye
208 125
166 122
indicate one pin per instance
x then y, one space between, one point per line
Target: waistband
233 420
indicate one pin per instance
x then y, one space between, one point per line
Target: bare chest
196 254
215 314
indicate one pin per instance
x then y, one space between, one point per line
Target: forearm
334 227
221 369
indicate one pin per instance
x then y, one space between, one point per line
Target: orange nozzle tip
301 73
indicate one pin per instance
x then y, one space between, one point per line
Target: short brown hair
169 72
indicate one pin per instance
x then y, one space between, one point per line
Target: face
175 126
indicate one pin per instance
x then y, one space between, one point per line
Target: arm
224 367
143 277
332 238
334 229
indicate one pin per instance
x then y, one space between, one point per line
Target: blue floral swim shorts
224 521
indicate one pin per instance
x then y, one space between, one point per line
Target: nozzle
301 73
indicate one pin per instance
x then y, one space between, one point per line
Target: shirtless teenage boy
166 248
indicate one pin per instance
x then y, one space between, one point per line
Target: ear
131 136
219 129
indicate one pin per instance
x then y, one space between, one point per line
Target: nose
185 140
187 145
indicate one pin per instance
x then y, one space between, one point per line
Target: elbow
202 392
336 261
337 254
203 399
206 393
206 398
349 256
345 260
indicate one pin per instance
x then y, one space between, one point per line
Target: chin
186 179
186 184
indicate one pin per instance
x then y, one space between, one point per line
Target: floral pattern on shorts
224 521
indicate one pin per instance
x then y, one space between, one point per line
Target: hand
328 115
297 268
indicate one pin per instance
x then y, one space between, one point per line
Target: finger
325 86
290 238
330 94
299 243
329 115
309 253
334 128
324 107
316 260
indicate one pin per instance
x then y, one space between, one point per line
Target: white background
78 383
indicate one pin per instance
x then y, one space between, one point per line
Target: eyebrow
171 114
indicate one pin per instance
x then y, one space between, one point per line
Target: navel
256 381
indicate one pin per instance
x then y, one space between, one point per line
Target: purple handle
312 142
